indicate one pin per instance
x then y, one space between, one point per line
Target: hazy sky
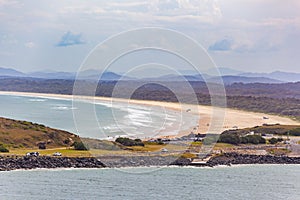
248 35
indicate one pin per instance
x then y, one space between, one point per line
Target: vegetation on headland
12 132
255 135
21 136
276 129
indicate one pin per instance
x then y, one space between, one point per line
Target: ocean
237 182
267 182
99 119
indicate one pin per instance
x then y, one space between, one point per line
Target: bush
236 139
3 149
80 146
129 142
255 139
230 139
295 132
273 140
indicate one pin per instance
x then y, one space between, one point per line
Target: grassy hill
16 134
23 134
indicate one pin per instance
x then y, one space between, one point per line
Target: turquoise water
242 182
96 120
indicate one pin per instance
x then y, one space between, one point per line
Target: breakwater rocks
32 162
235 159
142 161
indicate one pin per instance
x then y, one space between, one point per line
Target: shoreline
233 118
70 163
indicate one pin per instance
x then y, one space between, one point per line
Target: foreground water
239 182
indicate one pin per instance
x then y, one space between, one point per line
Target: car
164 150
36 154
57 154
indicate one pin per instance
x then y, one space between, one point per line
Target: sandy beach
232 118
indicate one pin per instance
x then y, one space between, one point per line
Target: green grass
219 146
67 152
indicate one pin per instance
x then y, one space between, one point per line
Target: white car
36 154
164 150
57 154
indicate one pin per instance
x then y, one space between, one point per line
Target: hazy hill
228 80
282 76
10 72
52 75
228 75
225 71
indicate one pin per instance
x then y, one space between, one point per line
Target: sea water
105 120
267 182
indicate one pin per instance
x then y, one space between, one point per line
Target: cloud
69 39
30 45
8 3
221 45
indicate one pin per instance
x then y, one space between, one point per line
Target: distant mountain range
282 76
87 75
10 72
229 76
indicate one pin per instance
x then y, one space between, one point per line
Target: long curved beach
232 119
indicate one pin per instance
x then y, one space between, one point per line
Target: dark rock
235 158
13 163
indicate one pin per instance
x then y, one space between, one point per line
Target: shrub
66 141
236 139
80 146
273 140
3 149
295 132
255 139
230 139
129 142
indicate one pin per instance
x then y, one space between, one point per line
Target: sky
246 35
